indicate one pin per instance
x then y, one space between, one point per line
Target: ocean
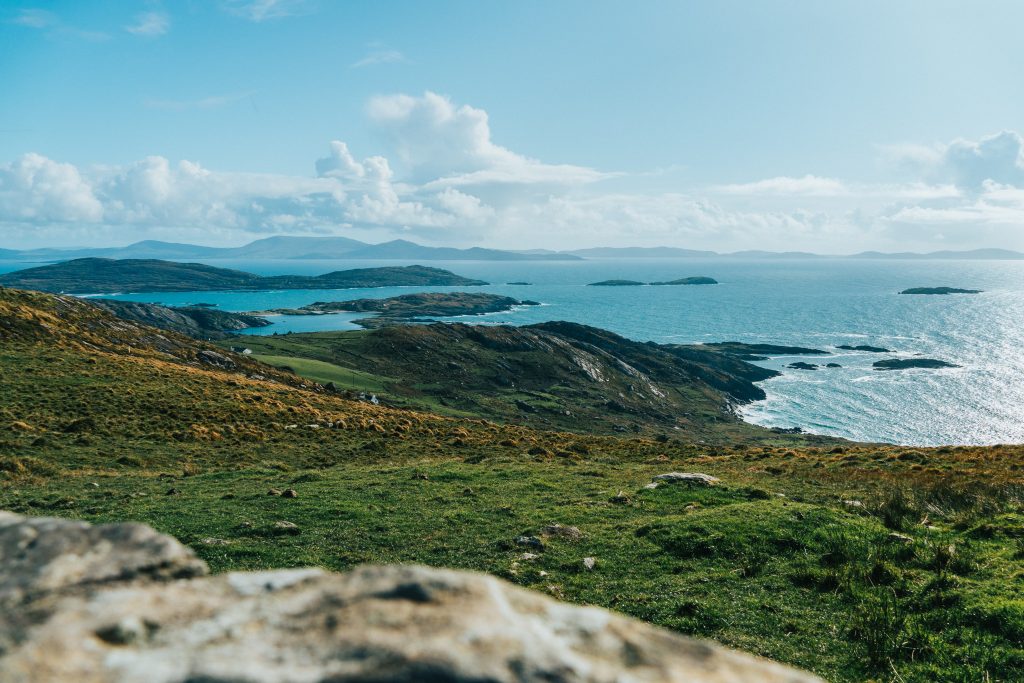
820 303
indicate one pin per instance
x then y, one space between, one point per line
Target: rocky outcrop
201 322
410 308
940 290
908 363
123 603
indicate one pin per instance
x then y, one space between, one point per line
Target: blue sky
829 126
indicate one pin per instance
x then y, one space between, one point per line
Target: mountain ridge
290 247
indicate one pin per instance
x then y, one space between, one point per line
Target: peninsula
101 275
409 308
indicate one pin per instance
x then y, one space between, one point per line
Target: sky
830 127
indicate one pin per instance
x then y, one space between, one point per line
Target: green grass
323 372
790 557
794 578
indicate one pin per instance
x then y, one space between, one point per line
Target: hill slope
857 562
555 375
100 275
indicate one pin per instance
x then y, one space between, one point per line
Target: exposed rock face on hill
200 321
121 603
558 375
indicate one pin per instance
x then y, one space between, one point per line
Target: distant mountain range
286 248
328 248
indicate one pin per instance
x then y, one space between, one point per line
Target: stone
375 623
897 537
215 541
686 478
286 527
274 492
589 563
289 493
218 360
530 542
620 498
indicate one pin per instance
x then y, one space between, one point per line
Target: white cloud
52 25
808 185
263 10
150 24
445 179
35 189
967 163
379 56
448 145
35 18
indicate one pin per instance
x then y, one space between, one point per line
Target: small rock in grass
173 492
528 557
653 485
285 527
620 499
530 542
289 493
215 541
274 492
589 563
686 478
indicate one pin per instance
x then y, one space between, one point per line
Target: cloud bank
442 178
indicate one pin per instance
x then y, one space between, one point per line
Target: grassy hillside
552 376
790 555
103 275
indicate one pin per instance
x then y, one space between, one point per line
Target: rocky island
103 275
907 363
864 347
616 283
940 290
689 281
634 283
409 308
750 352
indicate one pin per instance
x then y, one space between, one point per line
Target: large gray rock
374 624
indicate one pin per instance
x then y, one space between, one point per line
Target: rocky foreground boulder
121 602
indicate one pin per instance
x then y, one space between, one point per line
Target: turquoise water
819 303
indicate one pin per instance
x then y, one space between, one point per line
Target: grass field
855 561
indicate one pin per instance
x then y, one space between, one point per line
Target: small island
409 308
800 365
907 363
940 290
689 281
701 280
864 347
524 284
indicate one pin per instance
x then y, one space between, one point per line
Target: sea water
819 303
